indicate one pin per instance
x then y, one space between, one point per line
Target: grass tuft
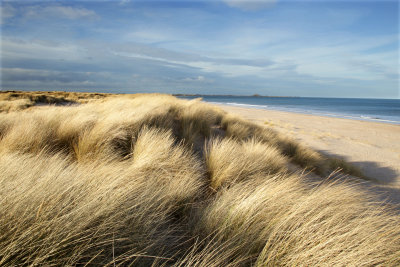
229 161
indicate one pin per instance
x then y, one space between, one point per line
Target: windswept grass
154 180
230 162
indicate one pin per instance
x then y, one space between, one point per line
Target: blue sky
271 47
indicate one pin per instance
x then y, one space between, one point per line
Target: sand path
373 147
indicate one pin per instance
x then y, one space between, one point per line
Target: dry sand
373 147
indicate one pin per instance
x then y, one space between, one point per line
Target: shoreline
321 114
371 146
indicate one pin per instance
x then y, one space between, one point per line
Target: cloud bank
232 47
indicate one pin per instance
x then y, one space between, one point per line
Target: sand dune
151 180
371 146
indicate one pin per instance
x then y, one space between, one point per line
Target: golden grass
230 162
51 97
325 225
154 180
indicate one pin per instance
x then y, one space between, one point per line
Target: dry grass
324 225
230 162
153 180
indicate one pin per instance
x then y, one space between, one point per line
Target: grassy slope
150 179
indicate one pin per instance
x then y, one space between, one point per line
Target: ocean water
378 110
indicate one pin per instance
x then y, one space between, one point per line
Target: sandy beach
373 147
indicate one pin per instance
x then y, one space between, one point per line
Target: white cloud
229 67
7 12
124 2
345 58
59 11
199 78
146 36
250 4
41 49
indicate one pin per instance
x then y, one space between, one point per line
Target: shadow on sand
384 180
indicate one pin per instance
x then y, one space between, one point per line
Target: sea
366 109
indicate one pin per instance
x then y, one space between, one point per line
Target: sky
310 48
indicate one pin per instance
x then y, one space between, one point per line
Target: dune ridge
150 179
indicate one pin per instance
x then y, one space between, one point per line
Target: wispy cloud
124 2
250 4
290 49
7 12
59 11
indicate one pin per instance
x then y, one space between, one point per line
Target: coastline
375 110
371 146
313 113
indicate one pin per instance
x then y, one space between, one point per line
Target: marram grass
145 180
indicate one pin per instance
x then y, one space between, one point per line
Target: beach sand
373 147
